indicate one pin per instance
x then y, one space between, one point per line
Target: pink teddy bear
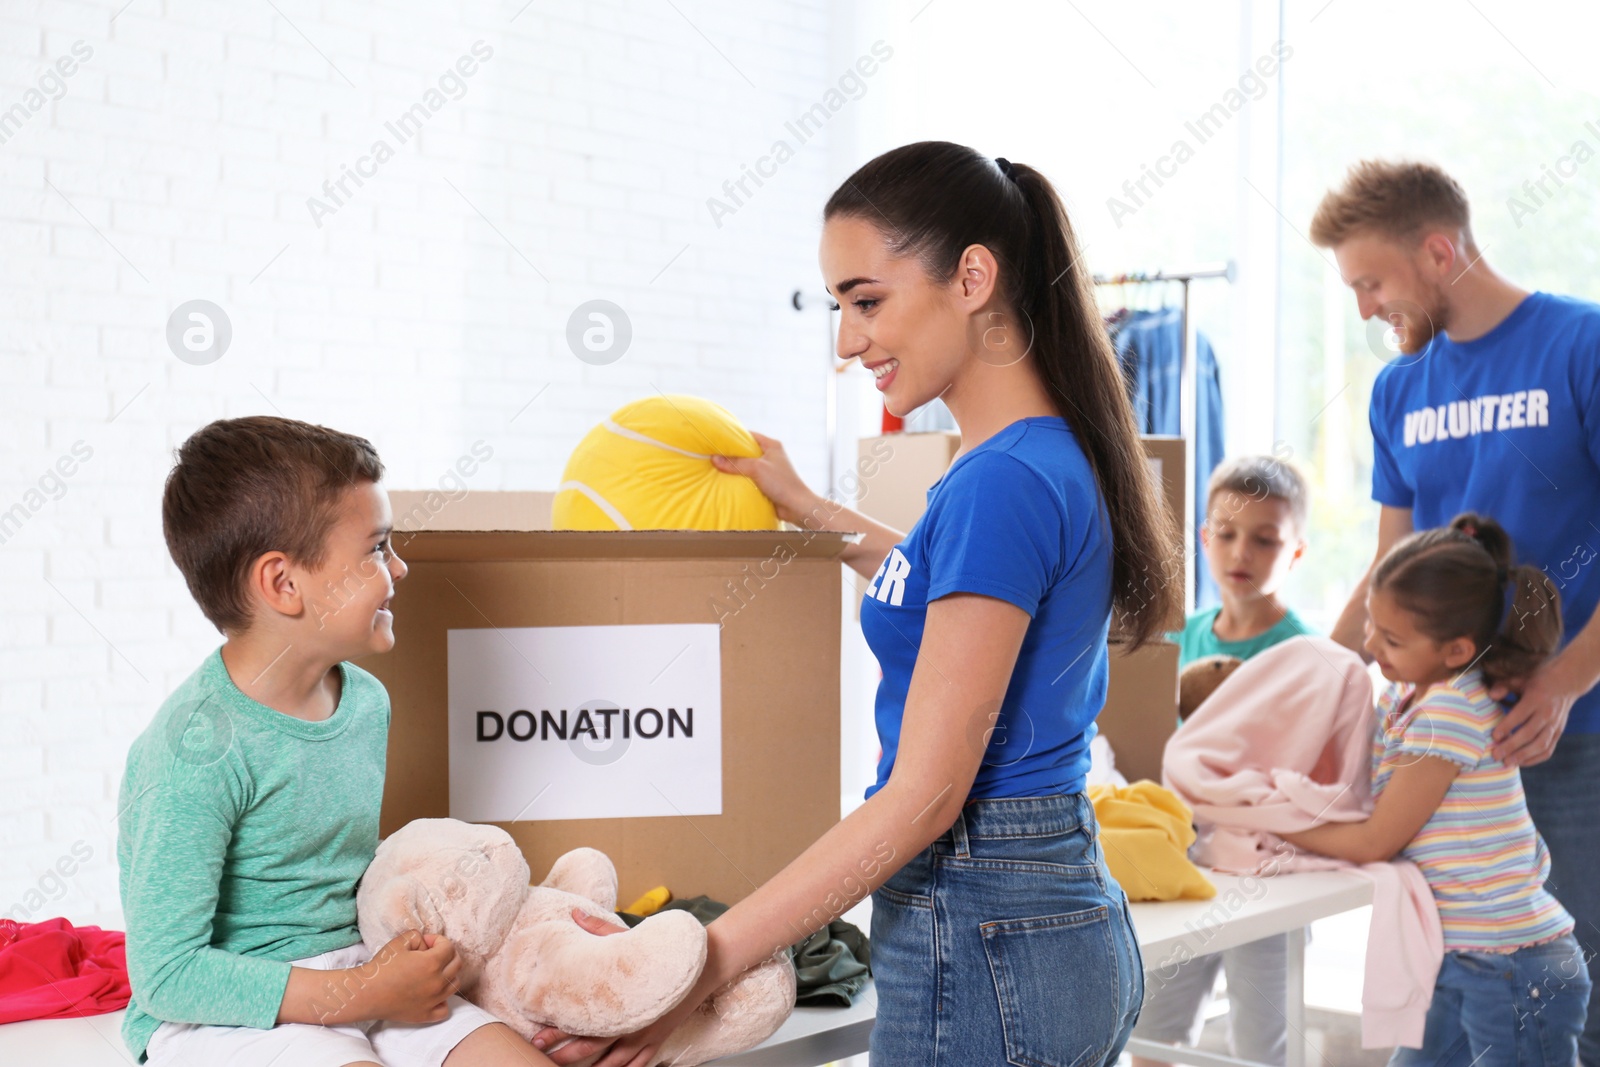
527 961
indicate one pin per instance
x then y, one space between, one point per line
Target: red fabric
53 970
892 423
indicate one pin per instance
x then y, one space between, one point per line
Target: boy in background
249 808
1254 534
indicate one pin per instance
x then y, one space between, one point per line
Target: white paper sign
585 722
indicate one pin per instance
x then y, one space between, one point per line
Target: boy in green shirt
249 808
1254 534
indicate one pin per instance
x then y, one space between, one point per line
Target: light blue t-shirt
1507 425
1198 640
1018 518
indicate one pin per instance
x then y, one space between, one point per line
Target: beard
1423 321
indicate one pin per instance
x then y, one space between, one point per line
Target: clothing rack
1189 408
1188 393
804 301
1210 270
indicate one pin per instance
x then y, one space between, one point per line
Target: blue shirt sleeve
996 530
1388 487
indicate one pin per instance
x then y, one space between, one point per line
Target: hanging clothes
1149 346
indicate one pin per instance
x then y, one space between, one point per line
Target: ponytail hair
932 200
1460 581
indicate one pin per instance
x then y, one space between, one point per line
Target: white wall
428 312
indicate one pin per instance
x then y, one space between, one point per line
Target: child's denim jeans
1006 941
1505 1009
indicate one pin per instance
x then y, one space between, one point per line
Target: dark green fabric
830 966
703 908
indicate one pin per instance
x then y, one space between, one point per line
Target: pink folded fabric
1283 745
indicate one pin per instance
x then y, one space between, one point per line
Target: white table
1242 911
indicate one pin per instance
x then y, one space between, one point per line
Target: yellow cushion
648 467
1145 832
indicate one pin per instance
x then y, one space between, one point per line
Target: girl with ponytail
1451 615
998 936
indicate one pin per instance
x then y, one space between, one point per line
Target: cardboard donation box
1166 459
897 470
1141 709
670 698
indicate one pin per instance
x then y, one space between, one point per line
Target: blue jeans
1516 1009
1563 798
1006 941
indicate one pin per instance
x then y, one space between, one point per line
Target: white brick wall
177 164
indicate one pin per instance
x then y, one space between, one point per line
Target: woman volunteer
998 935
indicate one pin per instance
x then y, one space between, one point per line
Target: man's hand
1531 728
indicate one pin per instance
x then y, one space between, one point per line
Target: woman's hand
583 1046
775 476
633 1050
641 1048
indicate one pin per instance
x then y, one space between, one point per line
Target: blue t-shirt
1508 426
1018 518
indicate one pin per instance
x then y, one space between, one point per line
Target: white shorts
304 1045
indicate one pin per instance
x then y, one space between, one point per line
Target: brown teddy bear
1200 679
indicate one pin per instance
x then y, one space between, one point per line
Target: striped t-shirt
1480 853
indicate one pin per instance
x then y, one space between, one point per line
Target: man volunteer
1491 405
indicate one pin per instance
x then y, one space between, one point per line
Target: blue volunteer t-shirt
1018 518
1508 426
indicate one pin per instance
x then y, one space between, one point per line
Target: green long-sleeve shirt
242 833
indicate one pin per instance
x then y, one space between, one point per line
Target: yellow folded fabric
648 467
651 902
1145 832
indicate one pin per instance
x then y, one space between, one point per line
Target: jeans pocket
905 900
1059 987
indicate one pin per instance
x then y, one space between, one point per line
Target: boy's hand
416 973
407 980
